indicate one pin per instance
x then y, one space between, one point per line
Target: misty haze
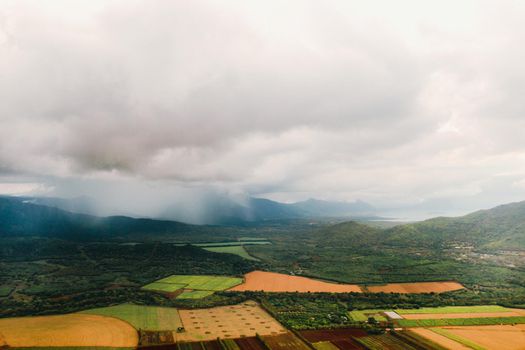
270 175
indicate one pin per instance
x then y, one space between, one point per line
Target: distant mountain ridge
224 210
502 227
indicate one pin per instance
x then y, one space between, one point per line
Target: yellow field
67 331
235 321
439 339
502 337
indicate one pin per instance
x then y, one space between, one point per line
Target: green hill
502 227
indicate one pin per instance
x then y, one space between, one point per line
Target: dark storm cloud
338 99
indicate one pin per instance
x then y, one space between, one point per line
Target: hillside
502 227
20 218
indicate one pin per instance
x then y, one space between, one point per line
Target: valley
359 286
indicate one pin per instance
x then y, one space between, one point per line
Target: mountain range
502 227
225 210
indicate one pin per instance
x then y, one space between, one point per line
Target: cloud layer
391 102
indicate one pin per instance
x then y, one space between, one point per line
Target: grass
164 287
194 294
453 309
362 315
5 291
457 338
237 250
481 321
142 317
199 282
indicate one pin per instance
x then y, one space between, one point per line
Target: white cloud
385 101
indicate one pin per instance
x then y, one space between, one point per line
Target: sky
403 104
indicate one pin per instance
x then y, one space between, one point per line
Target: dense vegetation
52 261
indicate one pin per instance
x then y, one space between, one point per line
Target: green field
226 244
457 338
194 294
5 291
164 287
362 315
453 309
237 250
481 321
142 317
199 282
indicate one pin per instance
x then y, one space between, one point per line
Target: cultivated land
237 250
439 339
488 337
199 282
164 287
454 309
73 330
142 317
417 287
276 282
195 294
243 320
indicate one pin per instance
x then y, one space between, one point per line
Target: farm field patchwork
416 287
242 320
142 317
71 330
342 338
276 282
384 341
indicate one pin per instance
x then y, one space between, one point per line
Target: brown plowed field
212 345
493 337
439 339
287 341
68 330
416 287
315 336
463 315
235 321
277 282
250 343
347 344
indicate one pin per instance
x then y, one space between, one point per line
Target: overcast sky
392 102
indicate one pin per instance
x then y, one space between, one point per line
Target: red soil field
277 282
250 343
416 287
212 345
347 345
314 336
